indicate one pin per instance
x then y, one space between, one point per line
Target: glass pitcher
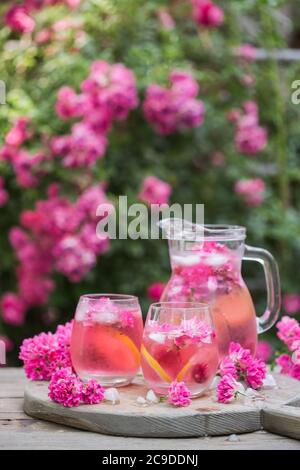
206 266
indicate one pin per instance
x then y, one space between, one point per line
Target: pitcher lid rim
197 232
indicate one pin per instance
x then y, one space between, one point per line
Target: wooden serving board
204 417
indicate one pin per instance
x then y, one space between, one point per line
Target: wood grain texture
283 420
19 431
204 417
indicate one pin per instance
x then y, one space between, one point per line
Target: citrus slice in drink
117 351
183 371
155 365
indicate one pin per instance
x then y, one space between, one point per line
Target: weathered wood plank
284 420
19 431
203 417
56 437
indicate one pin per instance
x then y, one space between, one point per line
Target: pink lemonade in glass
179 344
106 338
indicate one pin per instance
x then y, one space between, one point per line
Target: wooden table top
19 431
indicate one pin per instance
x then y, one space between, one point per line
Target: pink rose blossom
127 319
284 361
43 36
256 373
18 19
13 309
65 388
165 19
68 103
18 133
179 394
252 191
250 137
248 80
227 389
92 392
295 372
73 258
155 191
288 330
155 290
228 367
176 108
264 350
247 52
46 352
207 14
291 303
296 355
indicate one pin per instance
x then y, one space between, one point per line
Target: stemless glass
179 343
106 338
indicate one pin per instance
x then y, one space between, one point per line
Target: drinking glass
179 344
106 338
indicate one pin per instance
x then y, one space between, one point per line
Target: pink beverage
106 338
179 346
211 272
206 263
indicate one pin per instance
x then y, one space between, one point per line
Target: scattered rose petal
233 438
269 382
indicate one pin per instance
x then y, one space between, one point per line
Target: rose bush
154 100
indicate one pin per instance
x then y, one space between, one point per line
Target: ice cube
269 382
157 337
216 259
141 401
186 260
112 394
151 397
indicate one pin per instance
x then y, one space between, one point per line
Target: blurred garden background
179 101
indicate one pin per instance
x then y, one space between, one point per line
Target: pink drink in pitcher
179 344
106 338
206 265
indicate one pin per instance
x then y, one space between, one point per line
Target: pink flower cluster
56 235
46 352
165 19
252 191
247 52
27 167
107 95
179 394
289 333
155 290
264 351
155 191
67 389
176 108
291 303
250 137
239 365
209 267
207 14
18 17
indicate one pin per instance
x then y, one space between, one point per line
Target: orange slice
155 365
183 371
130 344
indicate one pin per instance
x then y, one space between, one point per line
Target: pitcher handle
270 266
